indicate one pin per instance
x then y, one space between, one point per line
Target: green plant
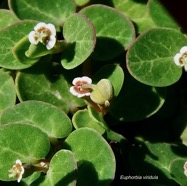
73 74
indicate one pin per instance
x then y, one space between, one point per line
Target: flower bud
103 92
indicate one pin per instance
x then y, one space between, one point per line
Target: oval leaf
137 11
54 12
9 37
93 155
7 91
37 113
23 142
114 31
138 101
48 83
62 170
82 118
80 36
150 59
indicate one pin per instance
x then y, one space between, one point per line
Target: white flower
185 168
82 86
180 59
44 33
17 171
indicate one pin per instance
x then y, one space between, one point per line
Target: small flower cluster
17 171
43 33
82 86
19 168
101 93
180 58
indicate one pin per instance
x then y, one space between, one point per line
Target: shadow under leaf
177 10
69 53
107 48
87 175
144 166
66 180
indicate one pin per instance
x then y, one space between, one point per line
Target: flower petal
51 27
72 90
51 42
75 80
185 67
177 59
32 38
39 25
78 94
85 94
18 162
183 50
83 79
87 79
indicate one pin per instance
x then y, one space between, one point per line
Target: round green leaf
93 155
7 91
6 18
80 36
37 113
138 101
137 11
84 118
48 83
23 142
160 15
150 58
112 72
54 12
9 37
62 170
114 31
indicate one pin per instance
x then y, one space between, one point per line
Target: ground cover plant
93 92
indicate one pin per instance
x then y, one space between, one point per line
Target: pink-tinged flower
17 171
44 33
185 168
180 58
82 86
